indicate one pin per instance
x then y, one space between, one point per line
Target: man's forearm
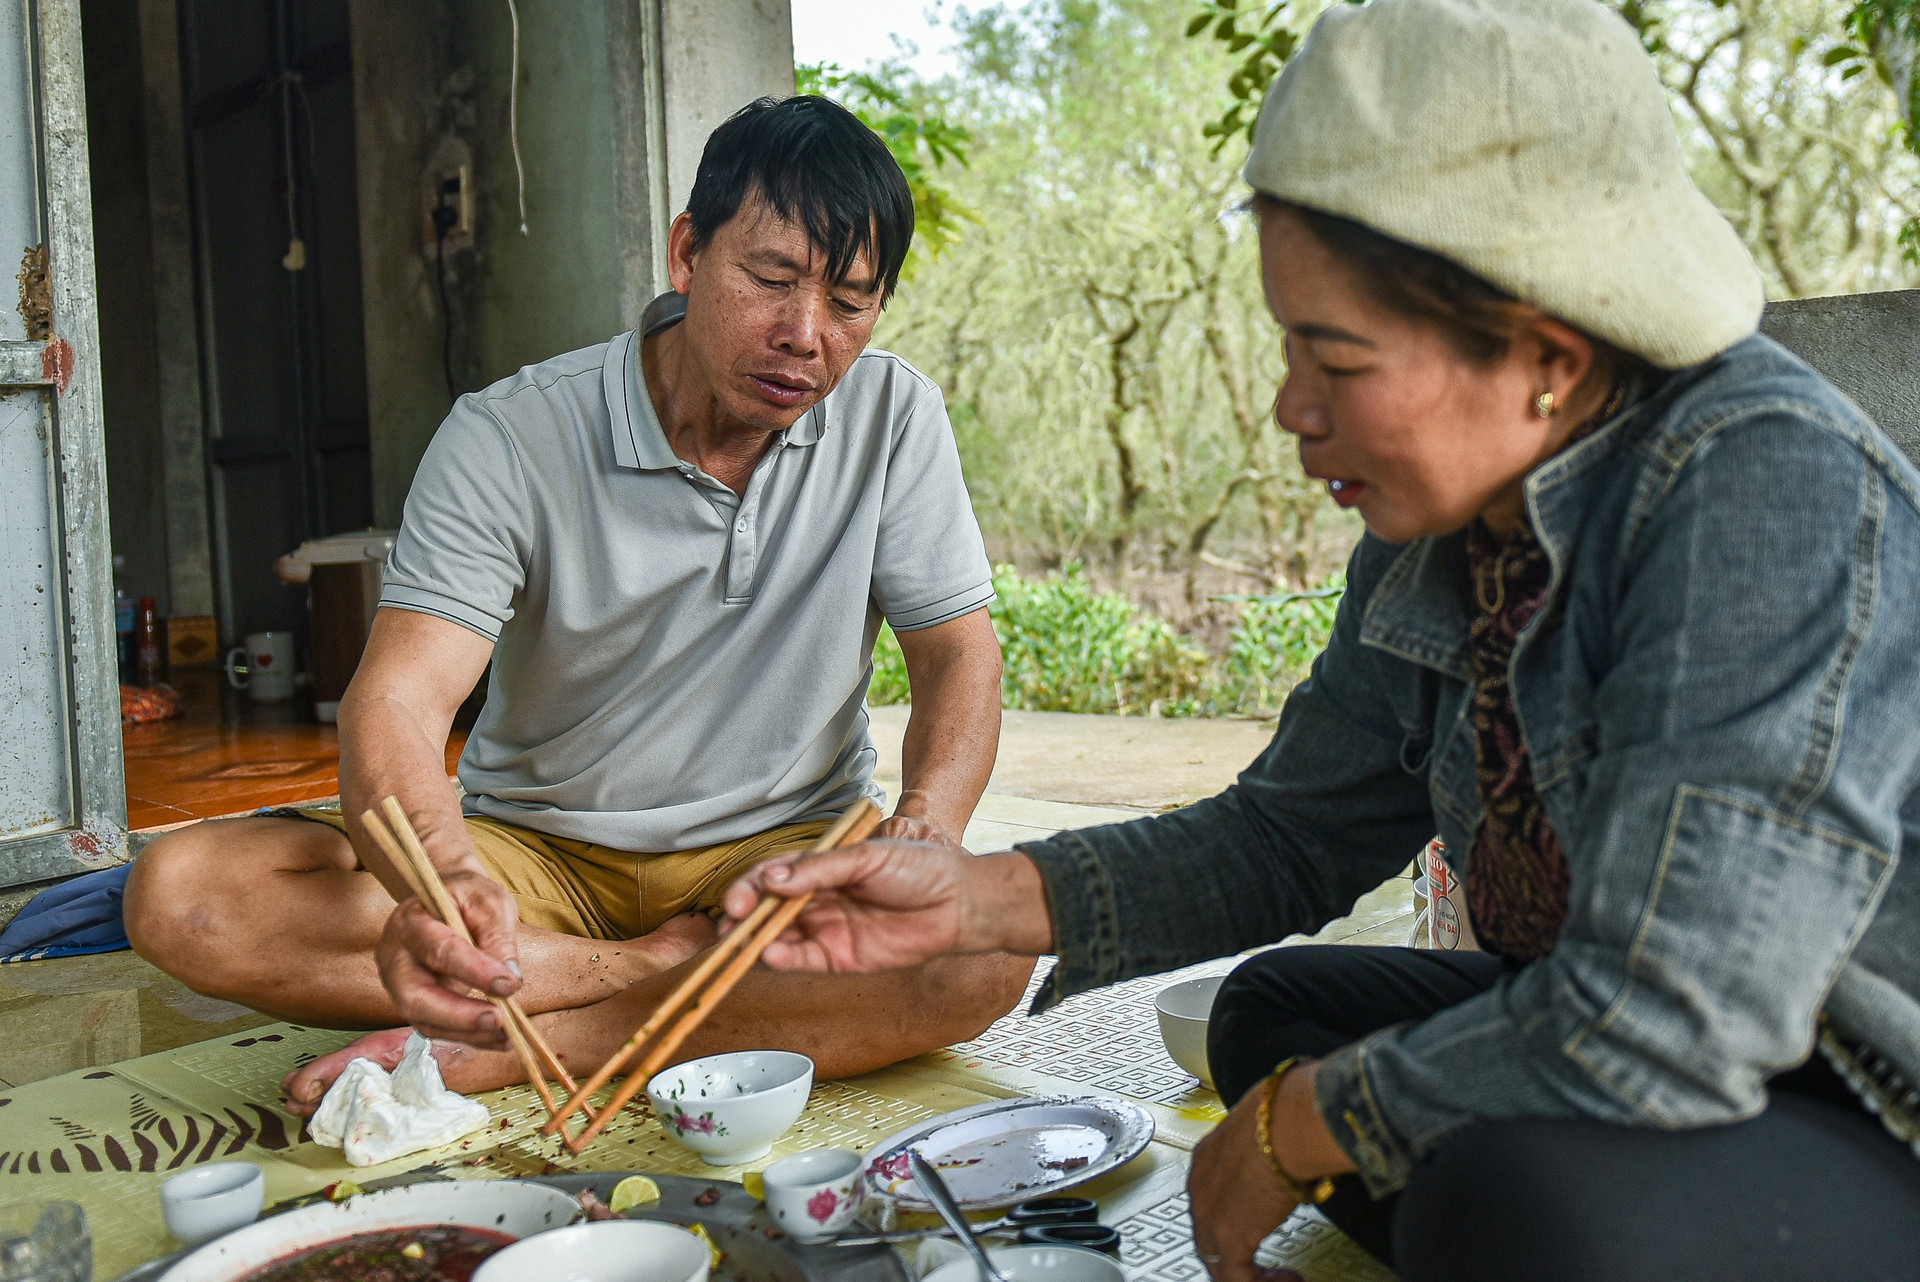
953 733
386 751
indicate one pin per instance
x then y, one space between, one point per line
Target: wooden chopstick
430 877
410 859
732 958
716 957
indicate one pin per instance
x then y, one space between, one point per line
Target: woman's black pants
1813 1188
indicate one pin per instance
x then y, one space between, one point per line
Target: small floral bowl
814 1195
731 1108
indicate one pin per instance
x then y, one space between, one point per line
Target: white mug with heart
263 667
814 1195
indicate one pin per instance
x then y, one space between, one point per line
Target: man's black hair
817 166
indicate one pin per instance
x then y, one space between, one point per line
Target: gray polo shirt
677 665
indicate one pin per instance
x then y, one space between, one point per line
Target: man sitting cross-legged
676 548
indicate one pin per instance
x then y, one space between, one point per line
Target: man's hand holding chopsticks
430 971
887 905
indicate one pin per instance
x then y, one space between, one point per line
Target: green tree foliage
1262 40
921 142
1100 336
1804 156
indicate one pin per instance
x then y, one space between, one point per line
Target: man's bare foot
304 1086
465 1069
462 1068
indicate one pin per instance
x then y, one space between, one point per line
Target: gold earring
1543 405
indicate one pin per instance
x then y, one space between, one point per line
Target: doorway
268 95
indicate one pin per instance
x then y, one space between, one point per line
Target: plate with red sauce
753 1249
428 1232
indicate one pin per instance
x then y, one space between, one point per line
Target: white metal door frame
62 369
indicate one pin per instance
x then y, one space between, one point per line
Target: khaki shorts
577 888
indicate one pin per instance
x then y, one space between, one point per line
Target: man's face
770 333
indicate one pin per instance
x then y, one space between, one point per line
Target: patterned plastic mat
107 1137
1109 1041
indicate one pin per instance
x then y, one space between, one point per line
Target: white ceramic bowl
1035 1264
207 1201
731 1108
609 1251
513 1209
1183 1009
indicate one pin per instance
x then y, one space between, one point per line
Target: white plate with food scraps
995 1154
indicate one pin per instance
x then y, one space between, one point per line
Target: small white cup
815 1195
263 667
210 1200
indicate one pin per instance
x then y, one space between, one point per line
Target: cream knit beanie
1529 141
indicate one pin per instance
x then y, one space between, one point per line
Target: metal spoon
942 1198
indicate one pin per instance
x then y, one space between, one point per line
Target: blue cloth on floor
75 917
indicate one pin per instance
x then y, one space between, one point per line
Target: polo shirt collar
639 441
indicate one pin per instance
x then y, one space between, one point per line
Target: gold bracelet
1322 1189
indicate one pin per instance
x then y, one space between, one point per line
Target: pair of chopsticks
403 850
690 1003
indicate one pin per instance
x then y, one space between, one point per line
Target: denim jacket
1722 701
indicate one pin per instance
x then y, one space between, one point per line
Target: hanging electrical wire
295 258
444 218
513 114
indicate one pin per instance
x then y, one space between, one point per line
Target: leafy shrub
889 671
1272 647
1068 647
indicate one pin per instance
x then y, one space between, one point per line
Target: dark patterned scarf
1517 877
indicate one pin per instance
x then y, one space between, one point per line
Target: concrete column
719 55
177 326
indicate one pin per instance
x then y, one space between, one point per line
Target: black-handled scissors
1097 1237
1041 1211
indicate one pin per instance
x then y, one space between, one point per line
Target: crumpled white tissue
374 1116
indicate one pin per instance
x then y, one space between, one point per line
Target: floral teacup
814 1195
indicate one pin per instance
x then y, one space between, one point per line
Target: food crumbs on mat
635 1190
707 1196
341 1190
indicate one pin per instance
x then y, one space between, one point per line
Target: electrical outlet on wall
446 199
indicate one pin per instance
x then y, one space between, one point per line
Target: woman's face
1393 420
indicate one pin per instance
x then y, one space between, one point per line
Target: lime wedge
635 1190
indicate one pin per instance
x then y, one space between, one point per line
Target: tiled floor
228 755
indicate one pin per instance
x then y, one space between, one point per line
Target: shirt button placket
741 557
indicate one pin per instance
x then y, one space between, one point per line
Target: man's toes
305 1085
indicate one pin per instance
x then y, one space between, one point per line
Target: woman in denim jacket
1635 629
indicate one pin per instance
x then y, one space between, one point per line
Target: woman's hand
1236 1201
1235 1198
885 905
